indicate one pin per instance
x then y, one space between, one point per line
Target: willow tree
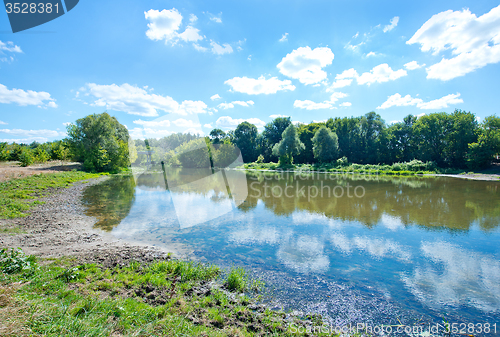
289 146
325 145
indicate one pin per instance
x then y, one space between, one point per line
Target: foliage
260 159
245 138
289 146
217 136
224 155
271 136
194 154
325 145
26 157
40 154
14 261
100 142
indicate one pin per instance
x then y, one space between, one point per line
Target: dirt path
12 170
59 228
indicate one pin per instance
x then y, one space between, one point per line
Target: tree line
454 139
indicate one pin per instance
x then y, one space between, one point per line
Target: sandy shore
59 227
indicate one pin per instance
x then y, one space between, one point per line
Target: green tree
306 133
288 146
100 142
430 135
481 153
463 128
194 154
271 136
245 138
348 131
217 136
325 145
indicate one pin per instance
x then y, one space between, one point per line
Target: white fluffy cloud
305 64
252 86
413 65
185 123
345 104
29 136
165 25
337 95
7 51
232 123
3 123
233 103
284 38
137 101
394 23
380 73
156 123
474 41
28 97
276 116
208 126
221 50
310 105
344 79
443 102
215 97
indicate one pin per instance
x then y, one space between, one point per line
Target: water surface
387 249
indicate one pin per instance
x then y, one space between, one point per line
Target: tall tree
217 136
325 145
272 134
462 131
288 146
100 142
306 133
245 138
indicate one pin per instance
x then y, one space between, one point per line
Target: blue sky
190 66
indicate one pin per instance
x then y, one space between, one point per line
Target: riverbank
492 174
86 282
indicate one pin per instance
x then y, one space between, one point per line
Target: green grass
20 195
397 169
164 298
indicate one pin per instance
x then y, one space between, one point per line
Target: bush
26 157
14 260
260 159
40 155
342 161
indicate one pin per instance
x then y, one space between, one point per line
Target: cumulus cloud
252 86
345 104
3 123
337 95
413 65
310 105
137 101
474 41
8 50
380 73
284 38
443 102
231 123
156 123
9 46
305 64
455 276
221 50
394 23
215 97
24 98
29 136
185 123
165 25
276 116
208 126
233 103
216 18
344 79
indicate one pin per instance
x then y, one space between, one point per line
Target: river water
356 249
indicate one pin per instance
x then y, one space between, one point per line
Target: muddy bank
59 227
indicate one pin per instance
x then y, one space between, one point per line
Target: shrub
342 161
260 159
14 260
26 157
40 155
